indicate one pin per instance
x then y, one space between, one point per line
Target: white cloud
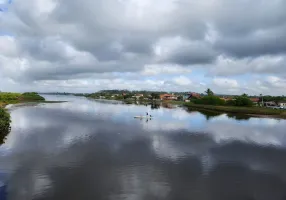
182 80
225 83
150 70
55 41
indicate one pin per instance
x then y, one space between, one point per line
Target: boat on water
143 117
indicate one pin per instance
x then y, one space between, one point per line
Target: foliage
155 95
8 96
238 110
31 96
209 100
230 103
4 122
180 98
243 101
209 92
273 98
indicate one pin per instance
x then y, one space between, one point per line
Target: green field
239 110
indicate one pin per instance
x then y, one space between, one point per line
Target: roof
254 99
193 94
167 95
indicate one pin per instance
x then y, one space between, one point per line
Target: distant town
277 102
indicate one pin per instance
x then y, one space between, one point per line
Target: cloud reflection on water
183 156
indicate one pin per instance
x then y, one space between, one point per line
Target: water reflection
88 150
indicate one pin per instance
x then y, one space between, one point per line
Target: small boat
143 117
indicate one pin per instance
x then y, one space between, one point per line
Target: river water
89 150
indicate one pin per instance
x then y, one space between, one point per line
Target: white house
282 104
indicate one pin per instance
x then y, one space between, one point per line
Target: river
86 150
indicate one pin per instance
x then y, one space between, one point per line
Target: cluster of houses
255 101
192 95
186 97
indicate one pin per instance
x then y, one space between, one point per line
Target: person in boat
147 113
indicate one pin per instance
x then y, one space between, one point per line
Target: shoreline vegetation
251 111
8 98
234 105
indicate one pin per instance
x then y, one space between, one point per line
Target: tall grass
238 110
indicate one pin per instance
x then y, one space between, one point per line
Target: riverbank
252 111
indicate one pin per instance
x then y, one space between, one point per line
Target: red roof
254 99
193 94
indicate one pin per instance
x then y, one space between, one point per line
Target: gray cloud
68 39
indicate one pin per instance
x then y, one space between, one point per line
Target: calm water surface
88 150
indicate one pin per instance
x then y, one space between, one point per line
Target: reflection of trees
155 106
167 105
209 114
238 117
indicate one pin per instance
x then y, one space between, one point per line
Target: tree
243 101
209 100
155 95
244 95
209 92
180 98
4 123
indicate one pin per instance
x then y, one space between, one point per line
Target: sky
232 47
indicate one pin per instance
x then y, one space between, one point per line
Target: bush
31 96
209 100
230 103
4 122
8 96
243 101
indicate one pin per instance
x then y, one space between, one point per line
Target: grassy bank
28 97
239 110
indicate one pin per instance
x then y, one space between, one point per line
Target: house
269 103
168 97
282 104
194 95
191 95
137 96
254 100
227 98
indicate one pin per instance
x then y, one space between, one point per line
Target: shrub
4 122
209 100
31 96
8 96
230 103
243 101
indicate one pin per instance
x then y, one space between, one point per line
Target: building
227 98
282 104
269 104
168 97
191 95
137 96
254 100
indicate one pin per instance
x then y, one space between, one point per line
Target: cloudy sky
184 45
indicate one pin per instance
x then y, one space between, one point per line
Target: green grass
239 110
